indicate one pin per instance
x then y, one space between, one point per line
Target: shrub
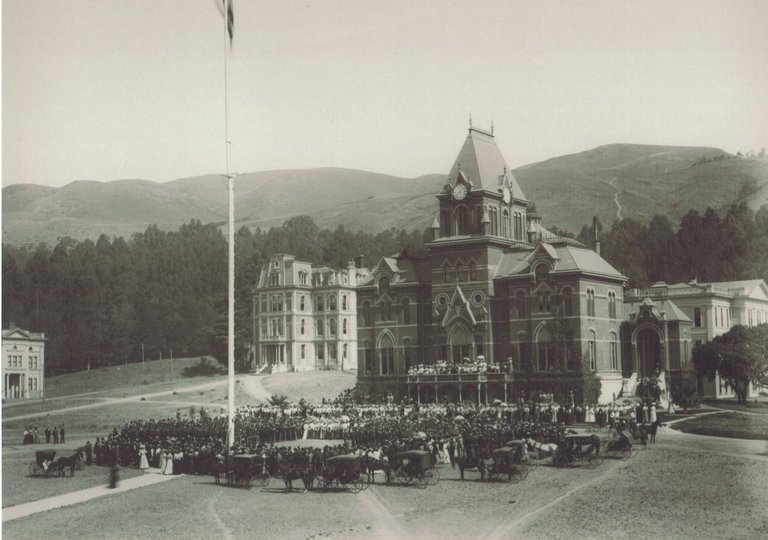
203 368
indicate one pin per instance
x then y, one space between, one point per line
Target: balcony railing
460 377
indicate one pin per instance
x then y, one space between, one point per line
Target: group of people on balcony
471 367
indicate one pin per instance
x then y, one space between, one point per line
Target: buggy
416 467
242 469
576 448
343 472
620 446
510 461
42 463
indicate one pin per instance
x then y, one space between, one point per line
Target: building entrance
648 352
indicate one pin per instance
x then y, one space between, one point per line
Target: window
302 280
614 353
344 302
592 351
320 304
332 351
302 327
332 303
320 351
462 220
685 353
31 365
522 305
385 310
472 271
406 311
612 305
10 361
302 302
545 349
303 351
590 303
544 302
344 351
332 327
367 314
697 317
567 302
505 224
445 222
344 327
274 279
320 327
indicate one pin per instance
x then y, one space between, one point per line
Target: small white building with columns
23 365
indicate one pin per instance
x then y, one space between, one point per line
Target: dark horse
650 431
292 468
371 465
473 459
61 464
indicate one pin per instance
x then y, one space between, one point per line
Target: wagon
416 467
37 466
343 472
620 446
509 461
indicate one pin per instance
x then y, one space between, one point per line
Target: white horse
547 449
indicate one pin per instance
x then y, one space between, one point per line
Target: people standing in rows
61 434
47 434
55 435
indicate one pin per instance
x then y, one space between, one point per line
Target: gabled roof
666 306
19 333
750 287
481 163
565 258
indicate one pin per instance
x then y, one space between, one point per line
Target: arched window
521 303
406 311
302 327
615 351
505 223
387 355
612 305
545 350
592 351
567 304
590 303
320 303
332 326
344 326
385 310
320 328
462 220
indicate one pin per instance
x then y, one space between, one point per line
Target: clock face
459 192
506 195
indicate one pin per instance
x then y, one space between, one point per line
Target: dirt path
75 497
252 385
619 208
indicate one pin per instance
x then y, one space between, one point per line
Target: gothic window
387 355
567 295
545 350
505 223
446 267
385 310
590 303
612 305
407 353
445 222
462 220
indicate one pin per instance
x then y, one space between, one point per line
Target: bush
203 368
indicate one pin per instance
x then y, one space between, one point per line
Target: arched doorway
427 394
648 352
448 392
461 344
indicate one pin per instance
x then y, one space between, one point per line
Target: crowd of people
480 365
57 435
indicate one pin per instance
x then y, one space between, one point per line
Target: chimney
359 260
597 239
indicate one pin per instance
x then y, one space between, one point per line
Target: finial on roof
470 120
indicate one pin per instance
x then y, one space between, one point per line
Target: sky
115 89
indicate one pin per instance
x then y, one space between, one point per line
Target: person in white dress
143 462
653 416
168 469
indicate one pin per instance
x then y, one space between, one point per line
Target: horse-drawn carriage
42 463
343 472
621 446
243 469
416 467
510 460
578 448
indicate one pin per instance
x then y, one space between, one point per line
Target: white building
305 318
714 308
23 365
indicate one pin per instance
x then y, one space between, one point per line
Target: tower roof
481 162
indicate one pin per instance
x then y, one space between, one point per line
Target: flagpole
231 245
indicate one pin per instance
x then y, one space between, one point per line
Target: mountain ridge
620 180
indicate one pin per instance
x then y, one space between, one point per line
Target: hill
613 181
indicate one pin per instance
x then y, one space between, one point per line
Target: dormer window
274 279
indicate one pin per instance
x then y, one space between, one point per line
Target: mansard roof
481 163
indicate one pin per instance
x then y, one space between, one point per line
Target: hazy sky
111 89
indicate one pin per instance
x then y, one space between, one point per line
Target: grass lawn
761 406
735 425
313 386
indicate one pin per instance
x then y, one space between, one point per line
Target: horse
371 464
297 472
473 460
62 463
650 430
548 449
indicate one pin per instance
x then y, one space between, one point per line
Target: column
418 393
506 385
460 392
634 356
478 394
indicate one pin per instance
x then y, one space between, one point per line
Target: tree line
105 302
100 302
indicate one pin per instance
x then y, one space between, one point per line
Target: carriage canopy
421 458
347 463
44 455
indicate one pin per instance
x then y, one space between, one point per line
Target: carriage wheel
626 453
634 452
357 486
34 469
364 482
264 479
421 481
399 476
432 477
522 472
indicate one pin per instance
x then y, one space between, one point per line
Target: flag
229 16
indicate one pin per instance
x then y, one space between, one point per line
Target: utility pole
142 358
